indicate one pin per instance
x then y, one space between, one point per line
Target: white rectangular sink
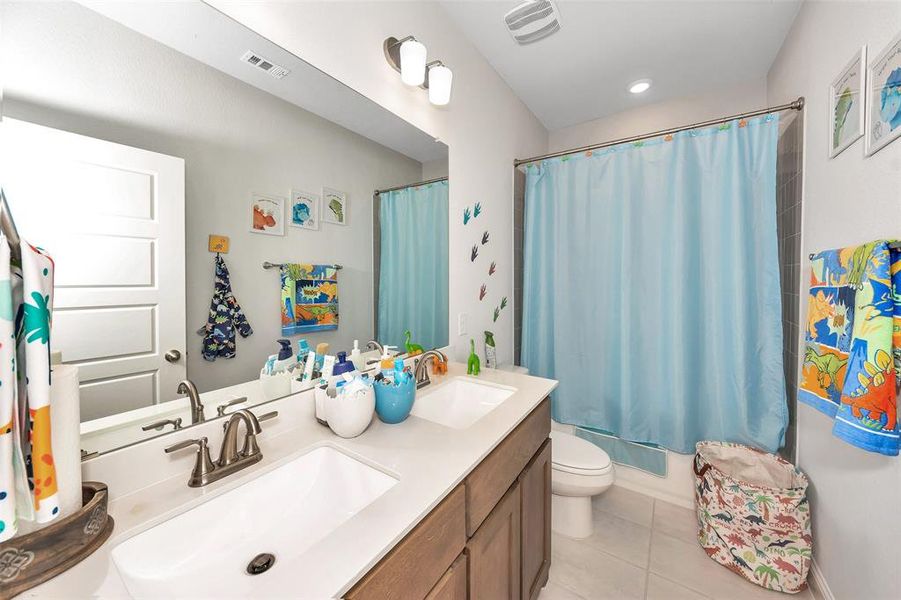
460 402
204 552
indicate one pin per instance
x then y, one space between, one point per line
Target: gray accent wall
789 161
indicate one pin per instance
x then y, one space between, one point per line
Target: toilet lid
570 452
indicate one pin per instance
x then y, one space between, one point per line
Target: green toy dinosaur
409 346
828 366
473 365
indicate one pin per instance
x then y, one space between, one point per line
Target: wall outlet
461 324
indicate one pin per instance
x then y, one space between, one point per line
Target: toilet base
571 516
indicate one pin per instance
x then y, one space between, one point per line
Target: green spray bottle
490 351
472 365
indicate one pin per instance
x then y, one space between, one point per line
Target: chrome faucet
231 459
421 371
188 387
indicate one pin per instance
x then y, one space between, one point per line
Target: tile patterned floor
644 549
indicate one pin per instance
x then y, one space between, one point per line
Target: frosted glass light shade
440 81
412 62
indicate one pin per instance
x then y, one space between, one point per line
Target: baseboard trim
818 585
655 493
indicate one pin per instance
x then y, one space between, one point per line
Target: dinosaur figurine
411 348
827 365
473 365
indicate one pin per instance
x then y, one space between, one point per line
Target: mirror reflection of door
112 218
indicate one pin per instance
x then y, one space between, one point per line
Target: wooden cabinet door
535 488
452 585
494 552
421 559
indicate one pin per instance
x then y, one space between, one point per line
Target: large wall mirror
132 132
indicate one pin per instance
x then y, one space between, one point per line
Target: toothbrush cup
393 403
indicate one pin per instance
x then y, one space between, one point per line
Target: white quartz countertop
428 459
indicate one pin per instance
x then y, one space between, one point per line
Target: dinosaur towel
309 298
853 343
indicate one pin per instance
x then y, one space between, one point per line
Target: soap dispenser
285 359
343 365
387 364
356 357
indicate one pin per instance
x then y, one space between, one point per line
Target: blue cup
393 403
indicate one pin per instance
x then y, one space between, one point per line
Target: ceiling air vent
265 64
532 21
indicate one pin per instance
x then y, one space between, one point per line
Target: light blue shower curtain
413 275
651 287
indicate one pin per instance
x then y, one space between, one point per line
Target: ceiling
202 32
582 72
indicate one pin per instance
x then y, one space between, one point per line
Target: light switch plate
461 324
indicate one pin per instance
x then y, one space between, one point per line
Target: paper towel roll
65 436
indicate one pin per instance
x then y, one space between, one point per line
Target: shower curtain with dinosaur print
853 343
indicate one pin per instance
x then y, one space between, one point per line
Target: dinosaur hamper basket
753 514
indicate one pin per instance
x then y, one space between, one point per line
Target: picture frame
306 209
267 214
847 104
884 98
334 206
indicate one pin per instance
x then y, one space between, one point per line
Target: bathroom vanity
489 538
433 507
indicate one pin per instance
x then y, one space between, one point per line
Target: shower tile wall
519 209
788 224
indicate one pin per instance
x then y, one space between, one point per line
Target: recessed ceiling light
642 85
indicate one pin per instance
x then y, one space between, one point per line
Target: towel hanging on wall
33 318
224 319
309 298
853 343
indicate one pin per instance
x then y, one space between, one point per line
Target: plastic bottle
400 377
387 364
490 351
285 359
356 357
343 365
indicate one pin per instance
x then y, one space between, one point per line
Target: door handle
173 356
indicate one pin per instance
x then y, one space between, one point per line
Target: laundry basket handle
703 470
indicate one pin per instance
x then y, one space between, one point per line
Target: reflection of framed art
884 102
846 104
304 210
267 214
334 206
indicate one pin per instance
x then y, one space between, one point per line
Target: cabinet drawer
415 565
452 585
489 481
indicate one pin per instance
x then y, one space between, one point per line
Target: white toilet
579 471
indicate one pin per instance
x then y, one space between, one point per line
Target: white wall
677 486
662 115
848 200
235 140
486 126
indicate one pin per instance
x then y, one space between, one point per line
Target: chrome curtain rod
268 265
796 105
409 185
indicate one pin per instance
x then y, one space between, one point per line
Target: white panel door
112 218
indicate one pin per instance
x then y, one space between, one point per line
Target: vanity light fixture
408 57
439 82
640 86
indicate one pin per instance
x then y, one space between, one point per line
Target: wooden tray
32 559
